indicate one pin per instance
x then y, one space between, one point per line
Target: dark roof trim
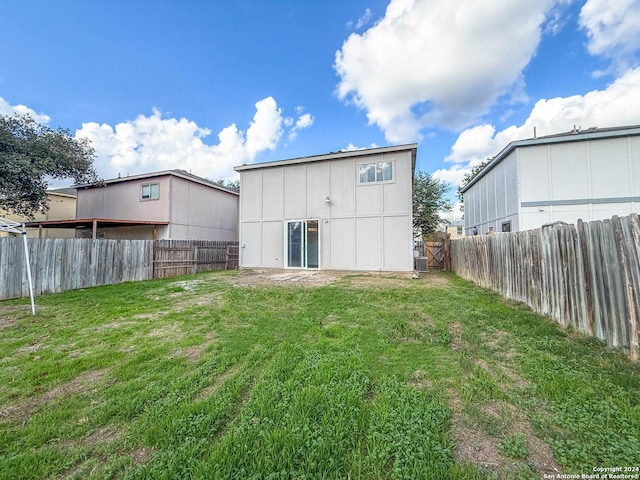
566 137
175 173
413 147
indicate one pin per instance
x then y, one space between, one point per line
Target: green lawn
368 377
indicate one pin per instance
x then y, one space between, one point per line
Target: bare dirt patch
419 379
81 383
10 315
500 342
168 331
142 455
305 278
187 285
31 348
477 447
102 435
434 278
213 298
376 280
456 330
115 325
194 353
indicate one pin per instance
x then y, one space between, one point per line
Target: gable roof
413 147
575 135
144 176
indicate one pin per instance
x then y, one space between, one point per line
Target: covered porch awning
92 223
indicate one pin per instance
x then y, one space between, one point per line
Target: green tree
30 154
470 175
429 202
230 184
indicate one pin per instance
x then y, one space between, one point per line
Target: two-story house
170 204
349 210
589 174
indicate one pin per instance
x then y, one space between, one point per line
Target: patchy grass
224 375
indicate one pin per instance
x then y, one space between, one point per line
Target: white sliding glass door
302 244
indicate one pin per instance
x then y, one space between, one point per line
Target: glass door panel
295 244
312 244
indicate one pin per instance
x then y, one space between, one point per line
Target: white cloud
613 29
472 144
453 176
7 109
617 105
362 21
151 143
351 147
265 130
304 121
426 63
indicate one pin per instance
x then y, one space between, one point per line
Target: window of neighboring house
506 226
459 230
376 172
149 191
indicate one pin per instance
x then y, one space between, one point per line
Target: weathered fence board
586 276
58 265
182 257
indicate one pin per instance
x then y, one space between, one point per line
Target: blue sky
207 85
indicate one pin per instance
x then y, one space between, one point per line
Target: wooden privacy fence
586 276
58 265
182 257
61 264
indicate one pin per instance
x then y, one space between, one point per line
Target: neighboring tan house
341 211
62 206
589 174
171 204
455 229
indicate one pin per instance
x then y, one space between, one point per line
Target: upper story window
149 191
376 172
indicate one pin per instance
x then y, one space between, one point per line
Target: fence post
195 259
447 252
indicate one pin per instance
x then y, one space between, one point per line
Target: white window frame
150 187
375 166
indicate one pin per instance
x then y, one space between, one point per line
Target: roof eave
333 156
580 135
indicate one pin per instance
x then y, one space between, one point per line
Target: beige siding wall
194 211
122 201
199 212
61 207
362 227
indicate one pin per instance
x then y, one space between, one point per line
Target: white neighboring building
340 211
589 174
